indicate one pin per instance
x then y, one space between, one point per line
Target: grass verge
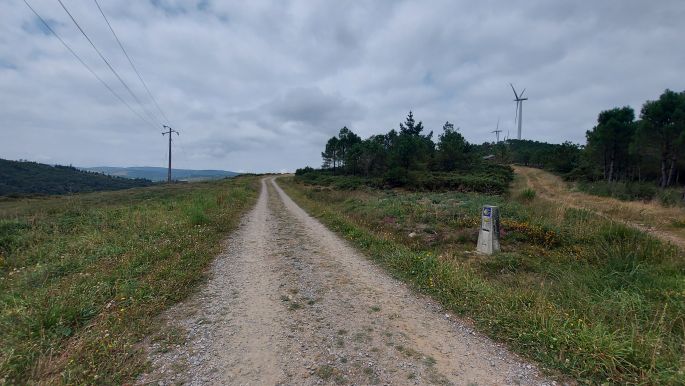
595 300
82 277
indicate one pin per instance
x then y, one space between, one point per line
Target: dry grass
662 221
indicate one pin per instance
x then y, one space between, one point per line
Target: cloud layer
260 85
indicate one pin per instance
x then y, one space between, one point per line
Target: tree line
649 148
645 148
407 157
398 153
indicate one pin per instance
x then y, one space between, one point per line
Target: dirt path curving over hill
651 218
289 302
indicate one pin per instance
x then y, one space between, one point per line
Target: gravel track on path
289 302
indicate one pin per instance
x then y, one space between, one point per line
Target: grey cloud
261 85
312 107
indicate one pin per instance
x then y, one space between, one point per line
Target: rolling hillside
160 174
29 178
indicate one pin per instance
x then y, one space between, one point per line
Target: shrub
396 177
304 170
669 197
626 191
491 179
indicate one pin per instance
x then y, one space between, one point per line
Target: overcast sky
261 85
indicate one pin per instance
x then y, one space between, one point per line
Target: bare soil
289 302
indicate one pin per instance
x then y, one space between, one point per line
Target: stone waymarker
488 237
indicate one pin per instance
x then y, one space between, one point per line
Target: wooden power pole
165 133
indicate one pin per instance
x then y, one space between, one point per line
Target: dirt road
289 302
651 218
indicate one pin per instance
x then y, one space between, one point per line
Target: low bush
632 191
493 179
670 197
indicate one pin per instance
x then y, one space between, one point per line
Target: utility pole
165 133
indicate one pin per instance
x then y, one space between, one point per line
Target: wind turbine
497 131
519 107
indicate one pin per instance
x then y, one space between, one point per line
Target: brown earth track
289 302
647 217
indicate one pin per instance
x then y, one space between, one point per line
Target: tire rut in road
231 326
289 302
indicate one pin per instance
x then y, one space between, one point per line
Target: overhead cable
106 61
130 61
45 23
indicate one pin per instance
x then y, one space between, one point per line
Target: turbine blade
514 90
521 95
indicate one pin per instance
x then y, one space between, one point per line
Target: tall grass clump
527 194
198 208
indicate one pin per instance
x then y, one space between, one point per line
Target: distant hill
28 178
160 174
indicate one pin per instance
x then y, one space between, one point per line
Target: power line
106 61
130 61
45 23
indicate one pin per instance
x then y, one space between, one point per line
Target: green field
585 297
83 277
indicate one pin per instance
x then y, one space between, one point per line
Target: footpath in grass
664 221
593 299
83 277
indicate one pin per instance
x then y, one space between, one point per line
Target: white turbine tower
519 108
497 131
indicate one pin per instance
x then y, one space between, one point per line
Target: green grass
528 194
592 299
83 277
